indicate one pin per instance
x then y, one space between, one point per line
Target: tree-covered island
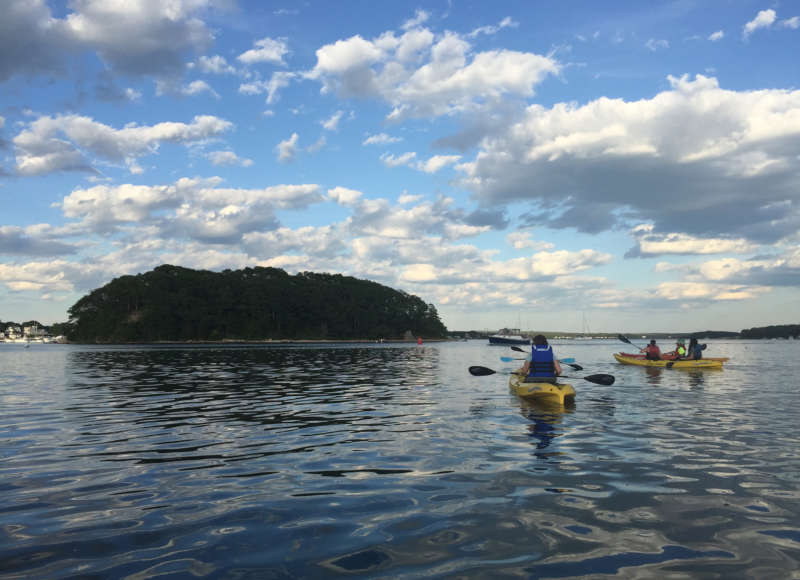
172 303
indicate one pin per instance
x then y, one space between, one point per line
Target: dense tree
172 303
781 331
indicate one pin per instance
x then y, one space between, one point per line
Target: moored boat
638 360
508 336
560 393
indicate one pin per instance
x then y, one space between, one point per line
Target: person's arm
557 366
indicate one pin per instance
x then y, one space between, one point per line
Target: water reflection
546 425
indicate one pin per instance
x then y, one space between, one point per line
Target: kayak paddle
561 360
566 361
600 379
624 339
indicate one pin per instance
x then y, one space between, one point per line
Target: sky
576 166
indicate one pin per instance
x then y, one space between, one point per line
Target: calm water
393 462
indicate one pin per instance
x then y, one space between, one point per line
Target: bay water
391 461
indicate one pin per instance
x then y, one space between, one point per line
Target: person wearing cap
651 351
680 350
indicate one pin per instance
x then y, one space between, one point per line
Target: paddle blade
600 379
518 349
480 371
566 360
506 358
623 339
576 367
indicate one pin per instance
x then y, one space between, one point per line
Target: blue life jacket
542 362
697 351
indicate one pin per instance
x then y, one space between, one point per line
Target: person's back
543 367
652 352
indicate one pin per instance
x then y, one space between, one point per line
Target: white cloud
344 196
446 81
228 158
216 64
287 149
198 87
279 80
437 162
391 161
716 36
381 139
654 44
506 22
65 142
420 17
266 50
332 123
793 22
730 171
653 244
521 240
140 36
764 19
317 145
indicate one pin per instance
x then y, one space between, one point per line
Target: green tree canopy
172 303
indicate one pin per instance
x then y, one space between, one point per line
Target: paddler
651 351
541 366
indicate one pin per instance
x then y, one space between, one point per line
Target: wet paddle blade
480 371
600 379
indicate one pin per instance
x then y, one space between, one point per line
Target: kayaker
541 366
680 350
695 350
651 351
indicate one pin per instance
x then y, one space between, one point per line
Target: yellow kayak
703 363
560 392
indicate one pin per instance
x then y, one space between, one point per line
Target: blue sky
623 165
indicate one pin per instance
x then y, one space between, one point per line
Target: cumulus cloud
418 75
198 87
65 142
730 172
138 36
650 244
266 50
437 162
215 64
37 240
764 19
196 209
716 36
793 22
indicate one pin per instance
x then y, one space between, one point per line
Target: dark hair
540 340
652 341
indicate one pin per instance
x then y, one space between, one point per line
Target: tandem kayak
669 356
703 363
560 393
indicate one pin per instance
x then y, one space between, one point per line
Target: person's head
540 340
680 341
653 341
692 341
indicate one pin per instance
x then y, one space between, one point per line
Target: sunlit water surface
392 461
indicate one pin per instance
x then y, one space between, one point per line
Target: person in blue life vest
541 365
695 350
